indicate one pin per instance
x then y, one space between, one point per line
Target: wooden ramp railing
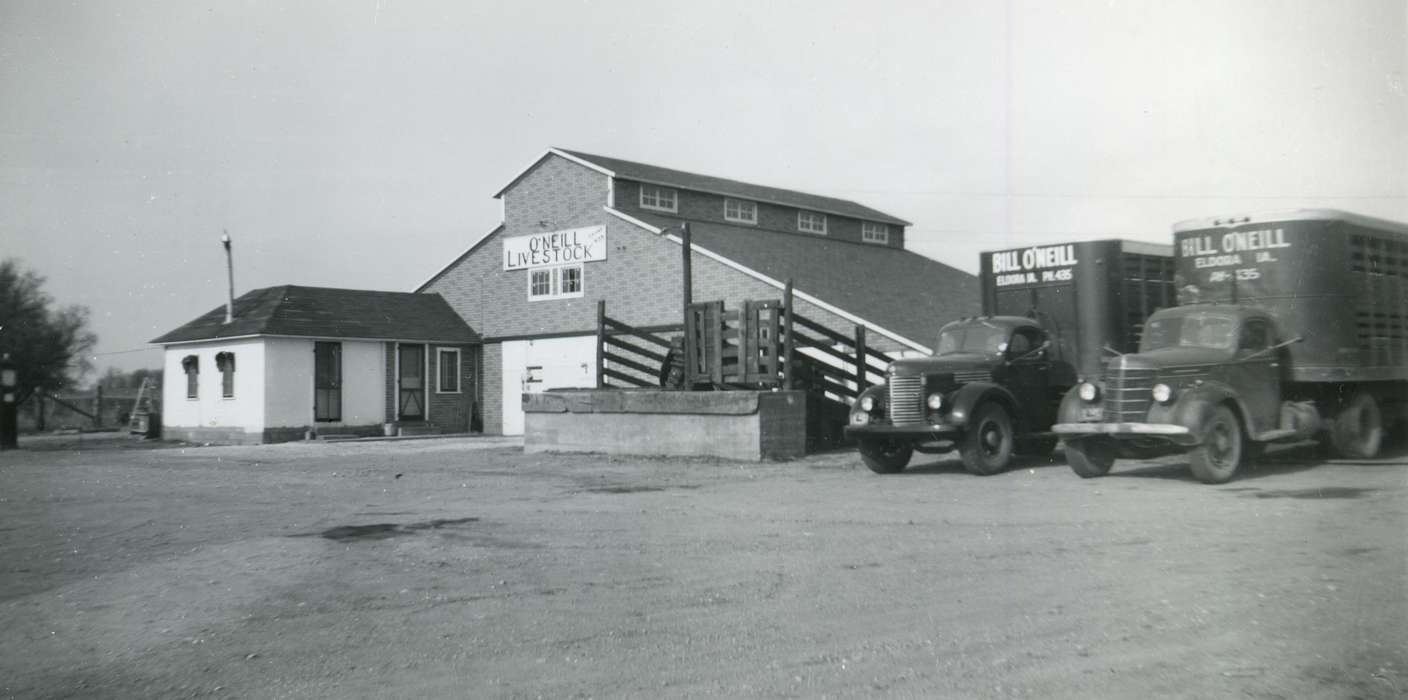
757 345
628 356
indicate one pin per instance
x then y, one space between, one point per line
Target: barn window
740 210
871 232
555 282
225 362
658 198
191 365
811 222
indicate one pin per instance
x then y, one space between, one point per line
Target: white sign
573 245
1035 265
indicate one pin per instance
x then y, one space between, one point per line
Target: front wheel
885 456
987 443
1216 459
1090 457
1358 430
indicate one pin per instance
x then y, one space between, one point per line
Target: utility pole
688 266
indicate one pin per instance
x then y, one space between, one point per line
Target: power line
123 352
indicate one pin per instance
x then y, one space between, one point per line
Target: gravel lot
463 568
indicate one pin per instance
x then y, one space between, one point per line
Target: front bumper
915 430
1173 433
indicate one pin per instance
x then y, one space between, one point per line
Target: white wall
565 362
289 382
245 410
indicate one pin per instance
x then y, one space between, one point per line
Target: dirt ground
464 568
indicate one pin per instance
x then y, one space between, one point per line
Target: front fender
968 396
880 392
1072 405
1193 406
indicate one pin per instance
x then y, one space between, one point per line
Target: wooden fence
758 345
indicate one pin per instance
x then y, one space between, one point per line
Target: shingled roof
323 312
656 175
895 289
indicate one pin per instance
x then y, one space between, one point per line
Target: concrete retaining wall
742 425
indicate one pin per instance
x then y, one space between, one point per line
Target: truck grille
906 397
1128 393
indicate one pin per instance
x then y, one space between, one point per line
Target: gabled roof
323 312
655 175
891 288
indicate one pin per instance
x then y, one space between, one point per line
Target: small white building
330 361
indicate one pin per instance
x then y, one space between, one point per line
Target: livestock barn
578 228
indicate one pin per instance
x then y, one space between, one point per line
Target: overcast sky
358 144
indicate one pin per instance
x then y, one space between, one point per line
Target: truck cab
1203 375
990 379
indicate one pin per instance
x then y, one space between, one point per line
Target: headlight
1088 392
867 403
935 402
1163 393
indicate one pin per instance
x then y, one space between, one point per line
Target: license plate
1090 413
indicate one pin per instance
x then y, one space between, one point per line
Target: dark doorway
411 403
327 382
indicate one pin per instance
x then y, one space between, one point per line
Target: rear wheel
885 456
1358 430
987 443
1090 457
1216 459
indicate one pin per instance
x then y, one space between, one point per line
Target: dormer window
741 211
811 222
871 232
658 198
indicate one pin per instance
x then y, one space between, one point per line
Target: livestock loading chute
1292 325
994 382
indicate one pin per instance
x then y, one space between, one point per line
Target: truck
1290 326
994 382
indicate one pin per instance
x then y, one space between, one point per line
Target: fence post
862 382
787 347
689 346
600 343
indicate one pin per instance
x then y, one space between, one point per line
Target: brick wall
450 411
390 382
491 388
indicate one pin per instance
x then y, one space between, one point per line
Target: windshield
1200 330
978 337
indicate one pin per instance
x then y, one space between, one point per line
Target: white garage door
538 365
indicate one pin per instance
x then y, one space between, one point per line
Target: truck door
1256 375
1029 377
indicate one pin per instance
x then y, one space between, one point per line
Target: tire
1358 430
885 456
1090 457
988 440
1216 459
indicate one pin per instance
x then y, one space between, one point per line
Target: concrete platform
741 425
